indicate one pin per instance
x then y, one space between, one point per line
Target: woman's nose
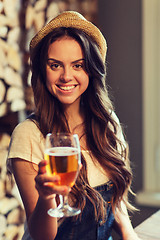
67 74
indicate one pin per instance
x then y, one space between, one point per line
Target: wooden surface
150 228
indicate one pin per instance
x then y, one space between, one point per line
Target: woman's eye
54 66
78 66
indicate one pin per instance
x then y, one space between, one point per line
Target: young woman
70 93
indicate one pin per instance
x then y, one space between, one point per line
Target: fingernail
48 184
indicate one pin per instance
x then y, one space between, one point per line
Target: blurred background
132 30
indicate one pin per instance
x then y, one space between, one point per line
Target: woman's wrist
49 201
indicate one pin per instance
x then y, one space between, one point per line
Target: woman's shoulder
26 123
27 126
27 142
27 131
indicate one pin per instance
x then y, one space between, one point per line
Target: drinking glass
62 152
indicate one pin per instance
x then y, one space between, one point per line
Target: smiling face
67 78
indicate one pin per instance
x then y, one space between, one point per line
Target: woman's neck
74 115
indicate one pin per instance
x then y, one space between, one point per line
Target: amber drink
63 161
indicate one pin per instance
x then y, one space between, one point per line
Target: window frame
150 194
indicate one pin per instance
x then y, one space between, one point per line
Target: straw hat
74 20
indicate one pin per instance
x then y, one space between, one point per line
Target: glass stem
63 200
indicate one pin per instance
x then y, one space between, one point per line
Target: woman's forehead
65 46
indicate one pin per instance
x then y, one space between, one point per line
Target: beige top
27 143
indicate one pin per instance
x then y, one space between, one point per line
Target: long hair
100 126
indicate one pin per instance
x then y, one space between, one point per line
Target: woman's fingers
50 191
42 178
47 186
54 189
42 167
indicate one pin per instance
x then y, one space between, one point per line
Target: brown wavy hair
100 126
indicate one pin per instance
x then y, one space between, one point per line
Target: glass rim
61 134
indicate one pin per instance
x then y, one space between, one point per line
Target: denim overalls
87 228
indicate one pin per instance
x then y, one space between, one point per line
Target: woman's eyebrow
78 60
54 60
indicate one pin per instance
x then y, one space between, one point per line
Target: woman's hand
47 186
123 224
132 236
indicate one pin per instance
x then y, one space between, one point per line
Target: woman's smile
66 88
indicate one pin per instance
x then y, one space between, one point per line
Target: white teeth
66 87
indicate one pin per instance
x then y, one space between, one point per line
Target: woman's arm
37 196
123 224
